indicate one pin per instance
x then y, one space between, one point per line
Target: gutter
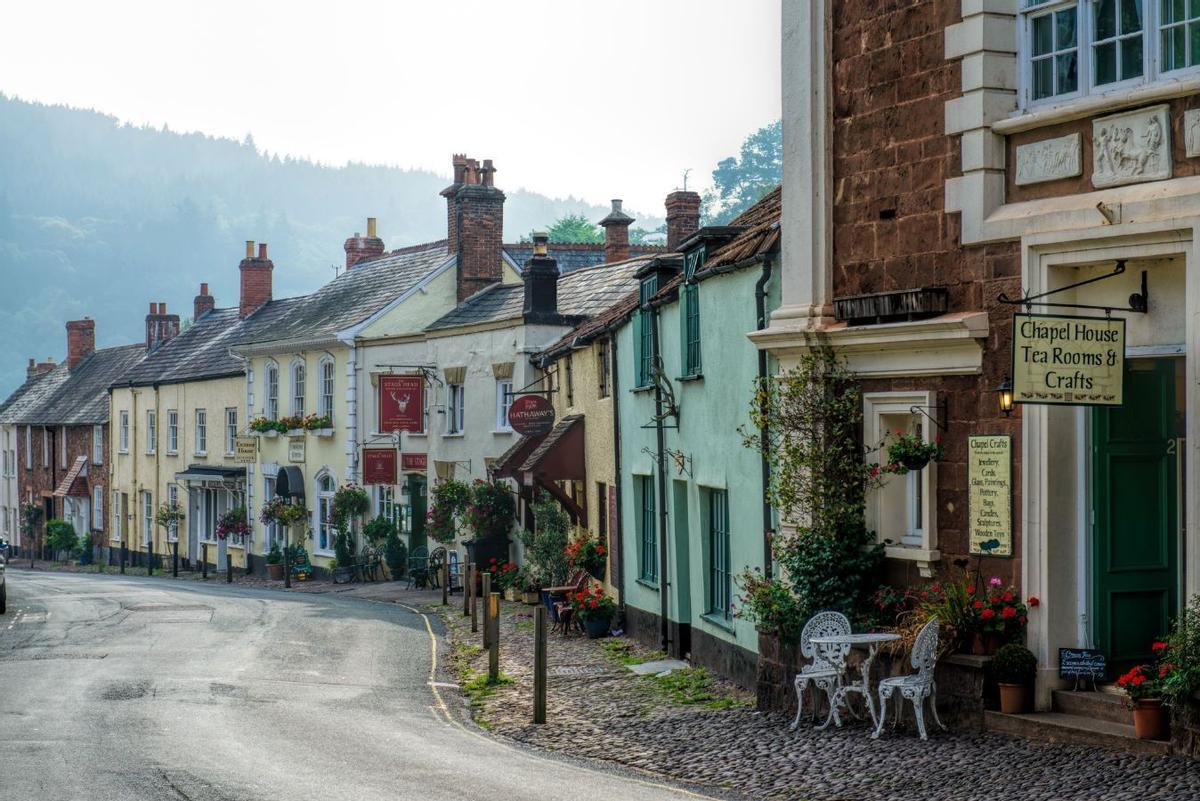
760 307
354 346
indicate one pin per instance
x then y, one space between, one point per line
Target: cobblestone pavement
598 709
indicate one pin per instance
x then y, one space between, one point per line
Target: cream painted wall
10 499
422 307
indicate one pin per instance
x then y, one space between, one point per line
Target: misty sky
599 100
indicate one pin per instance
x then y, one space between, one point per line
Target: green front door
1135 497
418 500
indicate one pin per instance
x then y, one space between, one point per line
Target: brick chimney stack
541 283
37 368
616 233
256 279
161 327
360 247
203 303
475 224
683 217
81 341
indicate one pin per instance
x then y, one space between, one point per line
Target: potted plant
490 509
233 524
505 577
528 585
586 553
378 530
343 556
1014 668
275 563
266 426
595 610
448 503
320 425
996 618
395 553
911 452
1142 684
292 426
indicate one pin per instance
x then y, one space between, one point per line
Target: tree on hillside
575 228
740 181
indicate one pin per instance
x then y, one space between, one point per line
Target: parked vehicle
3 586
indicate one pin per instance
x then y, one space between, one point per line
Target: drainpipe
352 410
251 473
614 523
663 585
760 307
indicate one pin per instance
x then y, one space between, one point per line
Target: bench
560 600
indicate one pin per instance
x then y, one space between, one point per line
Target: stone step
1097 705
1057 727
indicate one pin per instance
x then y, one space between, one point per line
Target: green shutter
690 312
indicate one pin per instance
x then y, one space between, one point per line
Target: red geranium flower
1033 601
987 614
978 604
1159 647
1007 597
1008 612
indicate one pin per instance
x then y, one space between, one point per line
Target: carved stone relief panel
1191 131
1131 147
1049 160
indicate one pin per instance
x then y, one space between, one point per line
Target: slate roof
200 352
16 398
582 293
350 298
572 256
76 397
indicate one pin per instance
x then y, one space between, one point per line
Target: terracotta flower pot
1150 719
275 571
1014 698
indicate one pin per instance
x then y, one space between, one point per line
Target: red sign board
401 403
379 466
414 462
531 415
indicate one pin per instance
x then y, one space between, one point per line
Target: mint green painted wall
711 410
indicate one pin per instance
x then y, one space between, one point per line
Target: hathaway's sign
245 450
531 415
1074 361
379 466
414 462
989 494
402 403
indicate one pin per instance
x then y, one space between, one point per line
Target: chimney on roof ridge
359 248
81 341
203 303
31 368
541 283
256 280
475 225
683 217
616 233
44 367
160 326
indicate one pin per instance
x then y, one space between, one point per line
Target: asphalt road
133 688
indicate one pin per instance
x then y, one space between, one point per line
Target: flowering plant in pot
449 502
998 616
595 610
1014 668
586 553
490 509
265 425
528 585
275 562
1143 685
910 452
504 577
233 523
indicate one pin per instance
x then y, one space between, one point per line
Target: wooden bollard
228 567
474 604
539 664
487 609
446 582
494 640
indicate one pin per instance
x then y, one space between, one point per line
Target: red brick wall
256 281
683 217
480 237
38 483
891 159
81 340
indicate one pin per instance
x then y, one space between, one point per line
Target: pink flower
995 581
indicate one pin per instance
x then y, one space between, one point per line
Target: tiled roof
572 256
75 397
348 299
15 399
582 293
200 352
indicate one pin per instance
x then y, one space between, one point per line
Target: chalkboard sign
1077 663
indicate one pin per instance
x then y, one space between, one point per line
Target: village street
133 688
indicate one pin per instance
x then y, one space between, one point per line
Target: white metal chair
820 673
915 687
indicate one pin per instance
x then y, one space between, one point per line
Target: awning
73 483
559 457
289 483
509 463
204 474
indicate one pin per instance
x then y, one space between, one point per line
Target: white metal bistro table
835 649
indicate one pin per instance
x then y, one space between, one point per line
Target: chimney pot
359 248
249 248
203 303
203 289
160 326
262 250
683 217
255 280
541 283
476 229
370 227
616 233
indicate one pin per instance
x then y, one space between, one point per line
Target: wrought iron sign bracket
683 462
1139 302
942 406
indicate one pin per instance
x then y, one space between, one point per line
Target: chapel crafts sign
379 466
1075 361
402 403
989 486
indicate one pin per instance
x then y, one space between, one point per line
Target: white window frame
62 447
231 430
97 444
123 431
151 431
504 399
172 431
454 410
324 506
1152 70
28 447
916 544
271 394
45 447
116 516
299 384
326 386
98 508
147 517
201 419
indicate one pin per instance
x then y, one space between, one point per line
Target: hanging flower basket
910 452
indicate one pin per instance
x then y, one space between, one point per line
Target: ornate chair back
924 652
822 624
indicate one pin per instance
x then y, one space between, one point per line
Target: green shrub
1014 664
61 536
546 545
1179 658
275 555
396 553
378 530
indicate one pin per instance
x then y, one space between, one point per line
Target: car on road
3 586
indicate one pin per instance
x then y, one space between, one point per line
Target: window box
295 432
272 434
322 432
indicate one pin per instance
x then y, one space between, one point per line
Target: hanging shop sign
989 487
379 466
245 450
402 403
296 450
414 462
1073 361
531 415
